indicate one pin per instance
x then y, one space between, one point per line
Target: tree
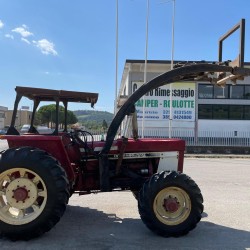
72 119
104 125
47 115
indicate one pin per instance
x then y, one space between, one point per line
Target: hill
93 119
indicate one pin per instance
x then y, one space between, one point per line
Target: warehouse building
198 108
23 117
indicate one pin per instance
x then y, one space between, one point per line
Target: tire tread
150 189
37 159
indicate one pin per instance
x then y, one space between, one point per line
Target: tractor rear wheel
33 192
170 204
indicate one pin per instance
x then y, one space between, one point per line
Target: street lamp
116 58
145 67
173 25
172 66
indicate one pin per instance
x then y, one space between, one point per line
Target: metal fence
201 138
205 138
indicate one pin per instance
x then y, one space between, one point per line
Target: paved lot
111 221
3 145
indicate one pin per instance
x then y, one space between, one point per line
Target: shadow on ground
85 228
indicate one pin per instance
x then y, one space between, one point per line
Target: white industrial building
198 108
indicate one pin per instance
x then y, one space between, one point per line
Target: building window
247 112
205 91
247 92
223 112
205 112
220 112
220 92
236 92
209 91
236 112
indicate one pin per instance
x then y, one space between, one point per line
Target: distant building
22 117
196 106
2 116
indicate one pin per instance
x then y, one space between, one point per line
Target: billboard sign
156 103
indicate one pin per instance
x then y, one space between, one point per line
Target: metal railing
200 138
205 138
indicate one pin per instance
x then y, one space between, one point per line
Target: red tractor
38 173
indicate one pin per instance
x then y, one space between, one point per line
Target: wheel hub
21 193
171 204
23 196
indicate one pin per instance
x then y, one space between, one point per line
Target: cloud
9 36
25 40
1 24
46 47
23 31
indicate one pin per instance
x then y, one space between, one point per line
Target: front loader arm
201 71
189 72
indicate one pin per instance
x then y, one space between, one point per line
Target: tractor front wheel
170 204
33 192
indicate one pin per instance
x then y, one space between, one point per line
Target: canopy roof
53 95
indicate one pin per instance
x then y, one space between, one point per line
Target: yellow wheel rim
23 196
172 206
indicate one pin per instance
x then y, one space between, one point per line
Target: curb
217 156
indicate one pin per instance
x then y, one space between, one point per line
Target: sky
71 45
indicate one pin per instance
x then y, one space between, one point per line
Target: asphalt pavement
111 220
3 145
